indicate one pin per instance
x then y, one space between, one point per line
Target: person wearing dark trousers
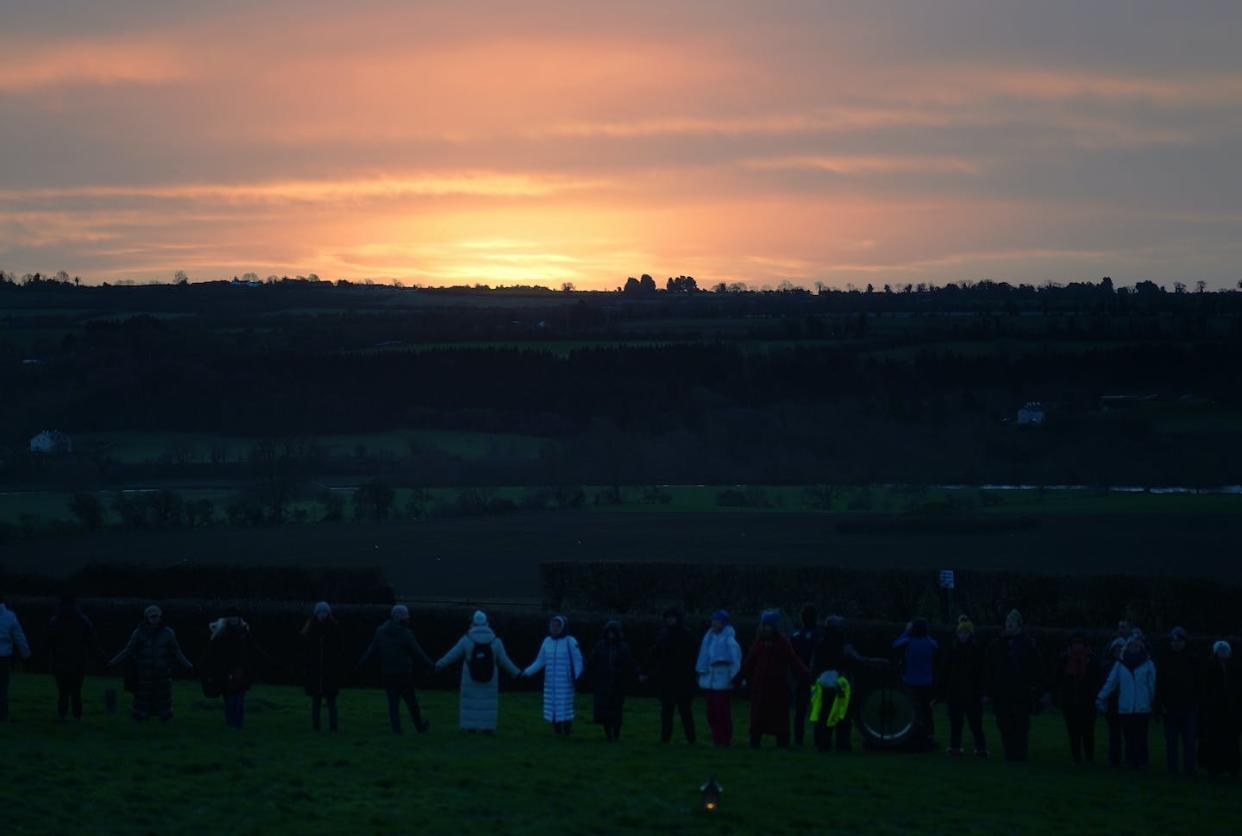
805 641
149 656
398 652
230 664
71 643
1220 713
918 674
1134 681
1012 681
672 666
1112 716
609 669
12 644
836 655
325 663
963 688
1177 703
768 666
1078 681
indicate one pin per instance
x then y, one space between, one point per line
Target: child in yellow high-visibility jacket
830 705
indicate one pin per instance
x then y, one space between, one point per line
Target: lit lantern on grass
709 795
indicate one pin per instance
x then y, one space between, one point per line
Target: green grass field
138 447
54 505
108 775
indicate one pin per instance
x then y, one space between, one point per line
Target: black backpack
482 663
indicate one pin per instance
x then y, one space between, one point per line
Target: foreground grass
193 775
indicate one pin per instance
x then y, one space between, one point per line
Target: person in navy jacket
918 674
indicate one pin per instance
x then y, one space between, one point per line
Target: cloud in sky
548 142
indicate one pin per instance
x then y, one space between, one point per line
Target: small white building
50 442
1031 412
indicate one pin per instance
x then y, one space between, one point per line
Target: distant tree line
845 387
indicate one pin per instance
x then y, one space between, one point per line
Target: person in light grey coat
482 656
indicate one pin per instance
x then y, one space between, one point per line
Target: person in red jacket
767 667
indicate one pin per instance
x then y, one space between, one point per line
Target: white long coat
479 700
561 661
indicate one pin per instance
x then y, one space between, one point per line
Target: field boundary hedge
894 595
353 584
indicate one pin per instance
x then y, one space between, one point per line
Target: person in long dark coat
1220 713
71 644
767 667
672 667
325 663
231 662
1012 680
962 682
1177 703
609 669
1078 681
152 650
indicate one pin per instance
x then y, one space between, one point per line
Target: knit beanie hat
965 625
721 615
152 610
771 617
322 608
1178 633
479 619
1222 645
400 612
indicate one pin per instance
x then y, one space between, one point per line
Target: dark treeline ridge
841 387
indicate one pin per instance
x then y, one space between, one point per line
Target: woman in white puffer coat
561 661
720 660
1133 677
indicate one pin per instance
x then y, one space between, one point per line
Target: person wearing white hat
481 655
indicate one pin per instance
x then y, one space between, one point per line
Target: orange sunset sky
541 142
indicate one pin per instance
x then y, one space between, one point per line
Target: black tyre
885 717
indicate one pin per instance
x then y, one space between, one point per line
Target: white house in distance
1031 412
51 441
